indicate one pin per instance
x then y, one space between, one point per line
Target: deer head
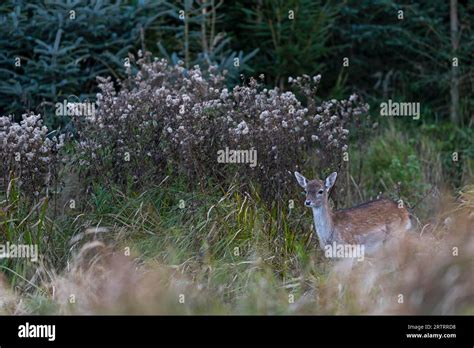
317 191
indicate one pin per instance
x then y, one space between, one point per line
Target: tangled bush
28 154
171 117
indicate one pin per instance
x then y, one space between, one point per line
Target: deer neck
323 224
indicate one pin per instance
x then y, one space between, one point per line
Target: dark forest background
408 59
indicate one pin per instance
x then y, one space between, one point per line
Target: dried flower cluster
171 117
28 154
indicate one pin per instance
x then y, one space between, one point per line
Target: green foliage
23 223
61 52
452 141
209 227
409 58
389 58
291 43
190 34
392 164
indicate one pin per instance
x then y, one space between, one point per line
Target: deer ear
330 180
301 180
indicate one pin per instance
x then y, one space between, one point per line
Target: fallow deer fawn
369 224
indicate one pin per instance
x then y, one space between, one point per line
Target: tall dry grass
428 271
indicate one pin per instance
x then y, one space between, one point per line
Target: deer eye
321 192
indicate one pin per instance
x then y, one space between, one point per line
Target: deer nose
307 202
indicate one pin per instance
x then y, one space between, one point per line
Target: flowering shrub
171 117
28 154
